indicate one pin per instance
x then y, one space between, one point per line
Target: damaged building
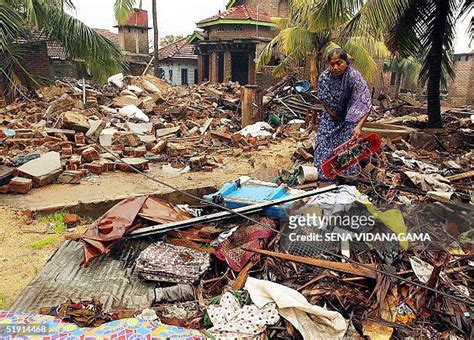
231 40
178 63
460 90
49 59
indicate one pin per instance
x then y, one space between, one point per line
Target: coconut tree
22 21
423 29
314 26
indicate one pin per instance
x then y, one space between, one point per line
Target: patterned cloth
126 329
350 98
253 237
230 321
169 263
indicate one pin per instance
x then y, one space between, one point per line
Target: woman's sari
349 97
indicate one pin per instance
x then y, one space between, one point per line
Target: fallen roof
180 49
110 278
240 15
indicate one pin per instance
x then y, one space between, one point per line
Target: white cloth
338 200
312 321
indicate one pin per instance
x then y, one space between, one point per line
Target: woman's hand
356 133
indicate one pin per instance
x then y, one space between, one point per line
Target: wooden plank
338 266
464 175
252 103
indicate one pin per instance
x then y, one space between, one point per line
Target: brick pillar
227 66
214 68
251 68
200 68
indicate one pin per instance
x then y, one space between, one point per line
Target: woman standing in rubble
347 102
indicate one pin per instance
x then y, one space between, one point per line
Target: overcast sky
180 16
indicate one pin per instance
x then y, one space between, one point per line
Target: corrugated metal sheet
111 279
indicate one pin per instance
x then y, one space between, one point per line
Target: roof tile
179 50
242 12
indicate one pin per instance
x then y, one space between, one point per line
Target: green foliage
38 245
4 305
55 221
313 26
20 18
122 9
169 39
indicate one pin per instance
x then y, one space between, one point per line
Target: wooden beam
338 266
252 104
464 175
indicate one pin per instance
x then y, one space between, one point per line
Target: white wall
176 67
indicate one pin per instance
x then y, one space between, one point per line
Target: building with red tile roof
178 63
231 40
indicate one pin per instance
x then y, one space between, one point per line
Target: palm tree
314 26
170 39
423 29
20 18
408 68
123 9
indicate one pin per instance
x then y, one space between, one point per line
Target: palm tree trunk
156 41
434 64
398 83
313 68
434 103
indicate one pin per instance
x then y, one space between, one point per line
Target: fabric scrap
252 236
231 321
121 219
165 262
313 322
126 329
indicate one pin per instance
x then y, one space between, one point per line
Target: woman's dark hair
336 52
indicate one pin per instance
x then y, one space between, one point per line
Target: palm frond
123 9
437 40
361 59
295 41
376 16
80 41
330 14
281 23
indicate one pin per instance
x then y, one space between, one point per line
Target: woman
347 102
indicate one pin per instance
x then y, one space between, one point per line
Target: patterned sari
350 98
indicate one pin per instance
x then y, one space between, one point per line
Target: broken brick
20 185
79 139
90 154
159 147
95 168
72 176
75 121
71 220
221 135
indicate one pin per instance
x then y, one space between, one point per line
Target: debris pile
281 278
71 130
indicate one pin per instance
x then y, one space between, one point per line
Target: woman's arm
360 105
329 111
358 129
